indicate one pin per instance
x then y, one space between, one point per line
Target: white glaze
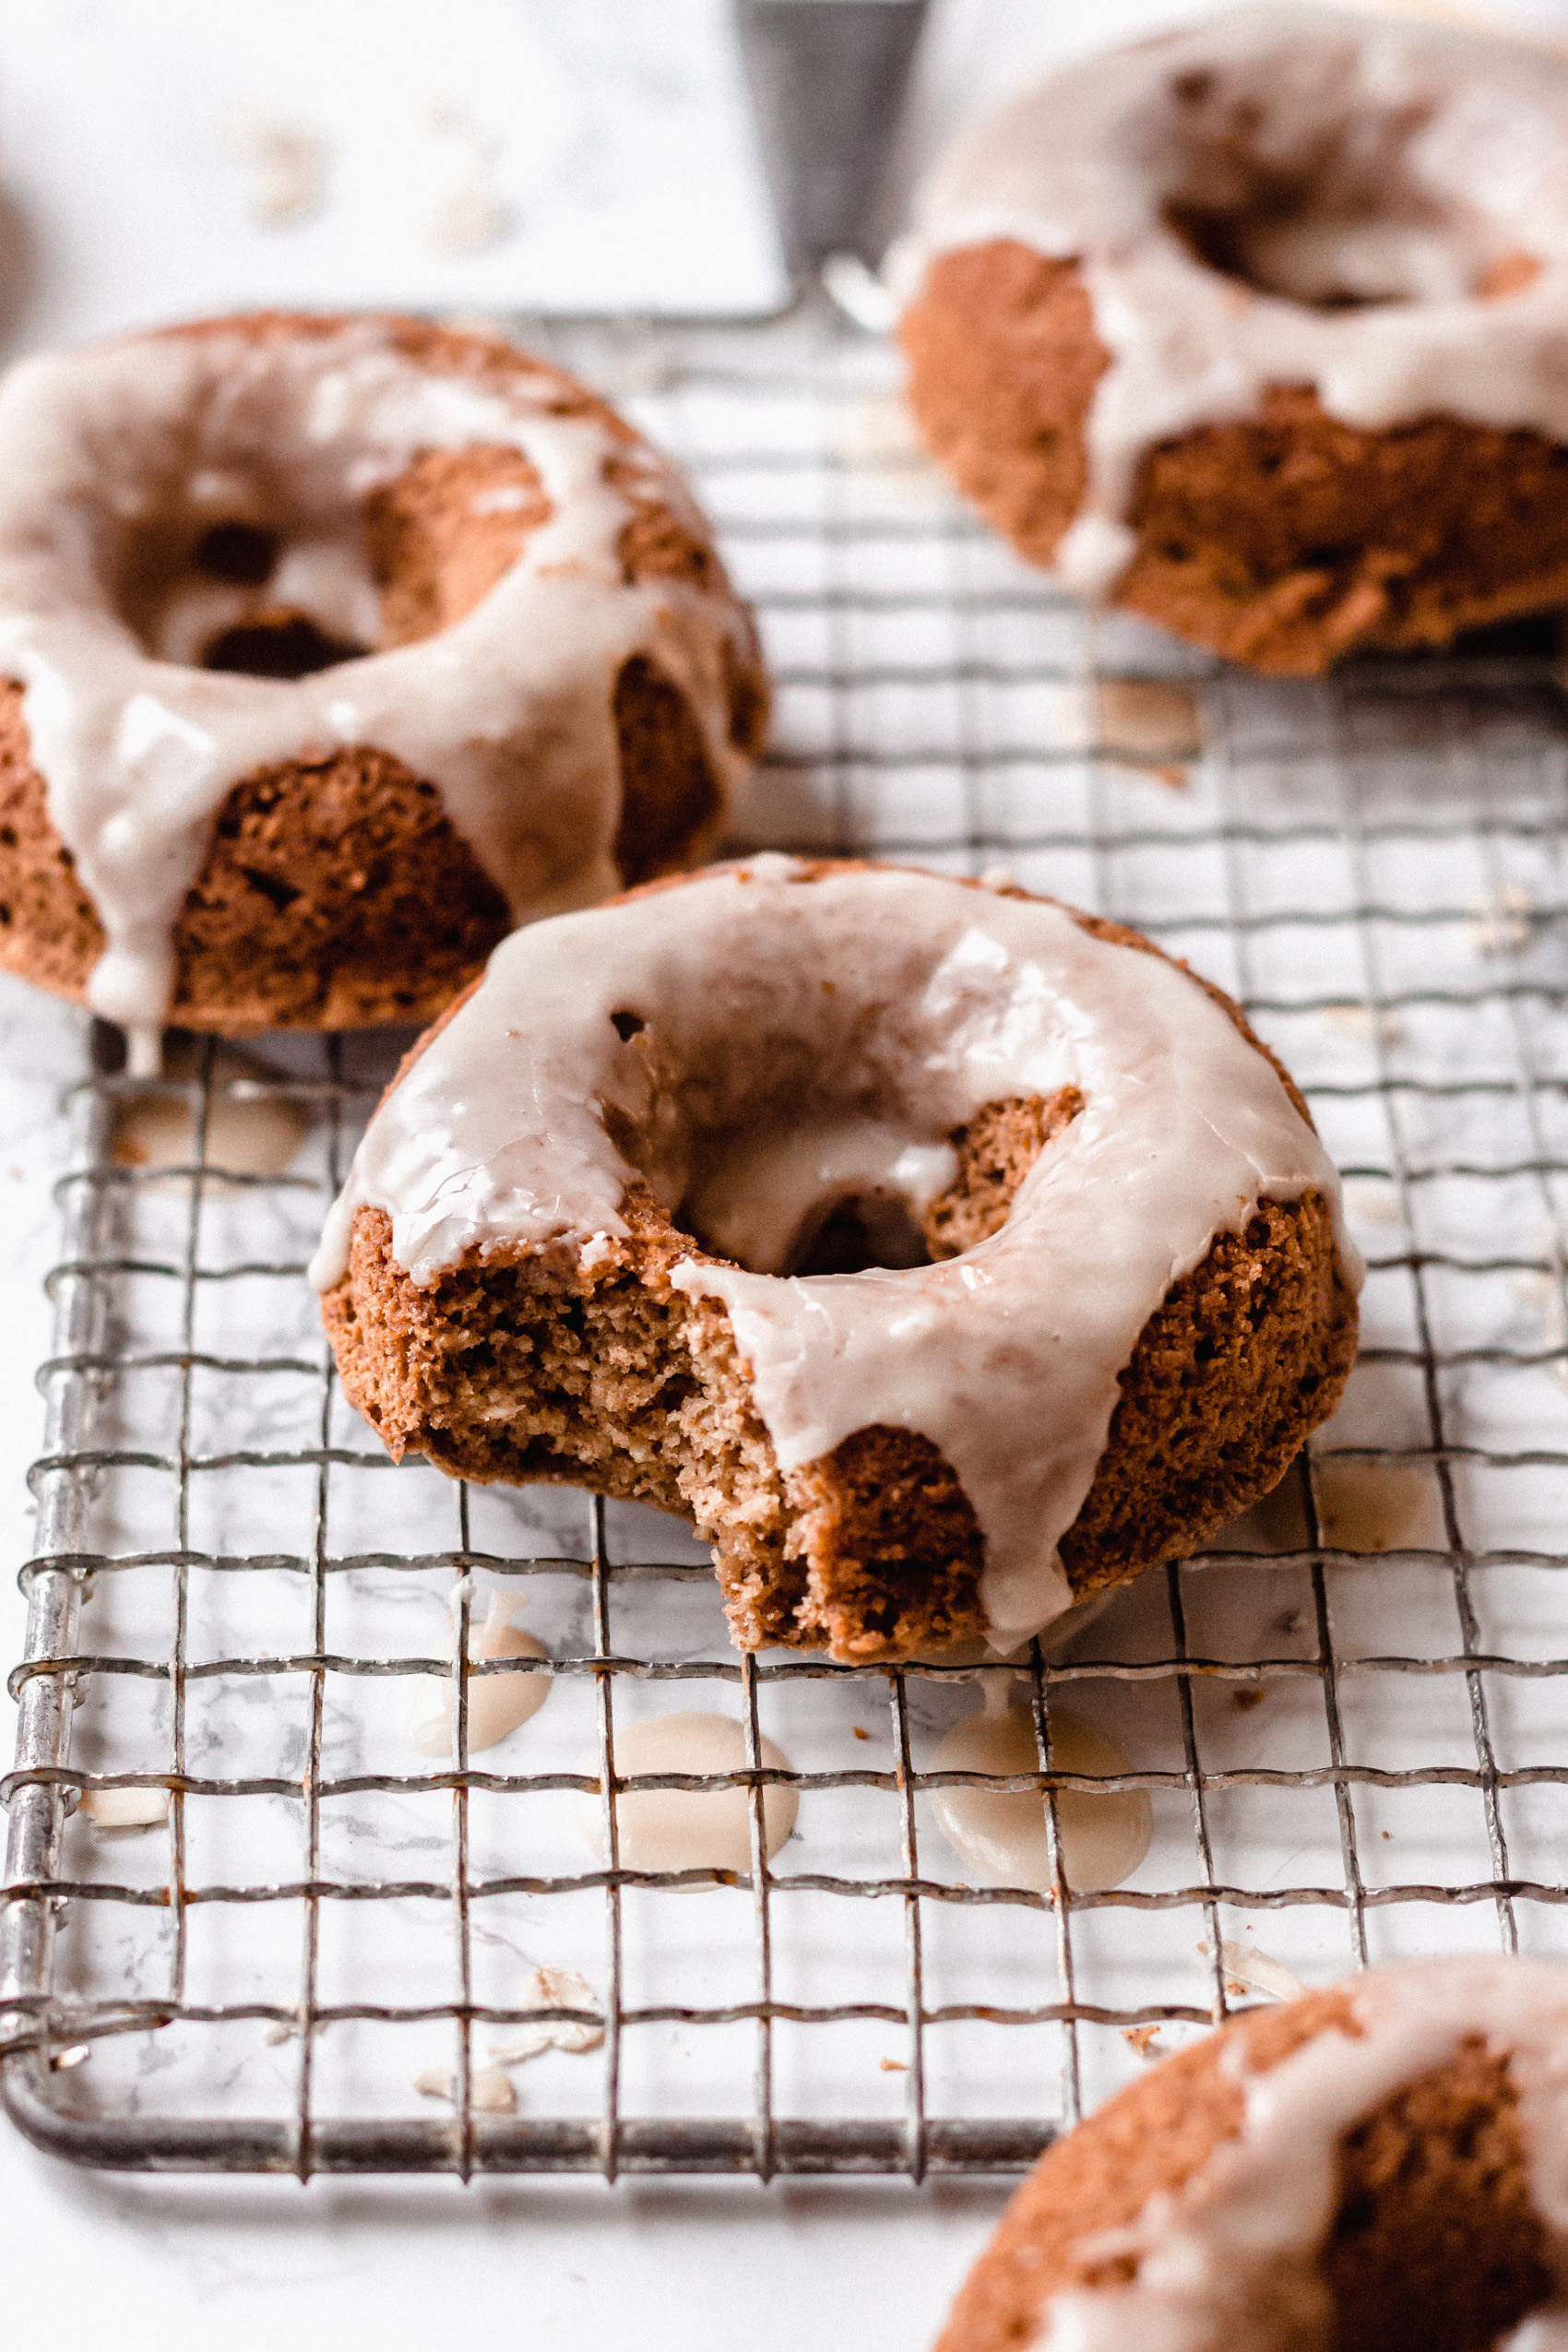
497 1704
551 1989
126 1808
491 2090
1229 2260
1544 2331
509 711
1002 1834
1256 1971
688 1829
1082 168
1055 1640
904 998
253 1129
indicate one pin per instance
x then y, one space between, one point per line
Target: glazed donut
1257 329
944 1255
1379 2168
335 647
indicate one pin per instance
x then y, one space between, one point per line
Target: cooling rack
1346 1716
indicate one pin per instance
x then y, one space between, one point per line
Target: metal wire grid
1324 864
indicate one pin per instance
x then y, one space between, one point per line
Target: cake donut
329 649
944 1255
1383 2165
1256 328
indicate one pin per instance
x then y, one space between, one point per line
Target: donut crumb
544 1361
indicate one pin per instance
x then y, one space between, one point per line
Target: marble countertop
484 154
159 157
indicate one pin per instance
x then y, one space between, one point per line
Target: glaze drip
767 1194
1001 1835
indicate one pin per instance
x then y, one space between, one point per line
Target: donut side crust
1286 541
336 893
1435 2245
518 1365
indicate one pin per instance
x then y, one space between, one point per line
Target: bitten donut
1256 329
944 1255
1379 2168
336 647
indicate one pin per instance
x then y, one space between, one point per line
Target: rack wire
1344 1715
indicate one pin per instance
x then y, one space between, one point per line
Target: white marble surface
130 157
481 152
129 147
619 149
383 2265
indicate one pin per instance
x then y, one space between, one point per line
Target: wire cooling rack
1347 1716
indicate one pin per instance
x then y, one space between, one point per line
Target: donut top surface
775 1031
120 463
1230 2258
1375 208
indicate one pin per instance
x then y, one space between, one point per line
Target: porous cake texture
547 1360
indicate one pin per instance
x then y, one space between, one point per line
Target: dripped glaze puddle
491 2090
1249 1970
688 1829
1372 1200
498 1703
1377 1506
127 1808
551 1989
1149 722
1002 1837
251 1129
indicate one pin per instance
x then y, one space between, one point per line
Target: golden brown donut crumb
523 1363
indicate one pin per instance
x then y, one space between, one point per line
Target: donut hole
243 553
801 1101
846 1190
1285 245
289 587
275 519
278 644
273 592
426 548
832 1190
1325 195
856 1232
